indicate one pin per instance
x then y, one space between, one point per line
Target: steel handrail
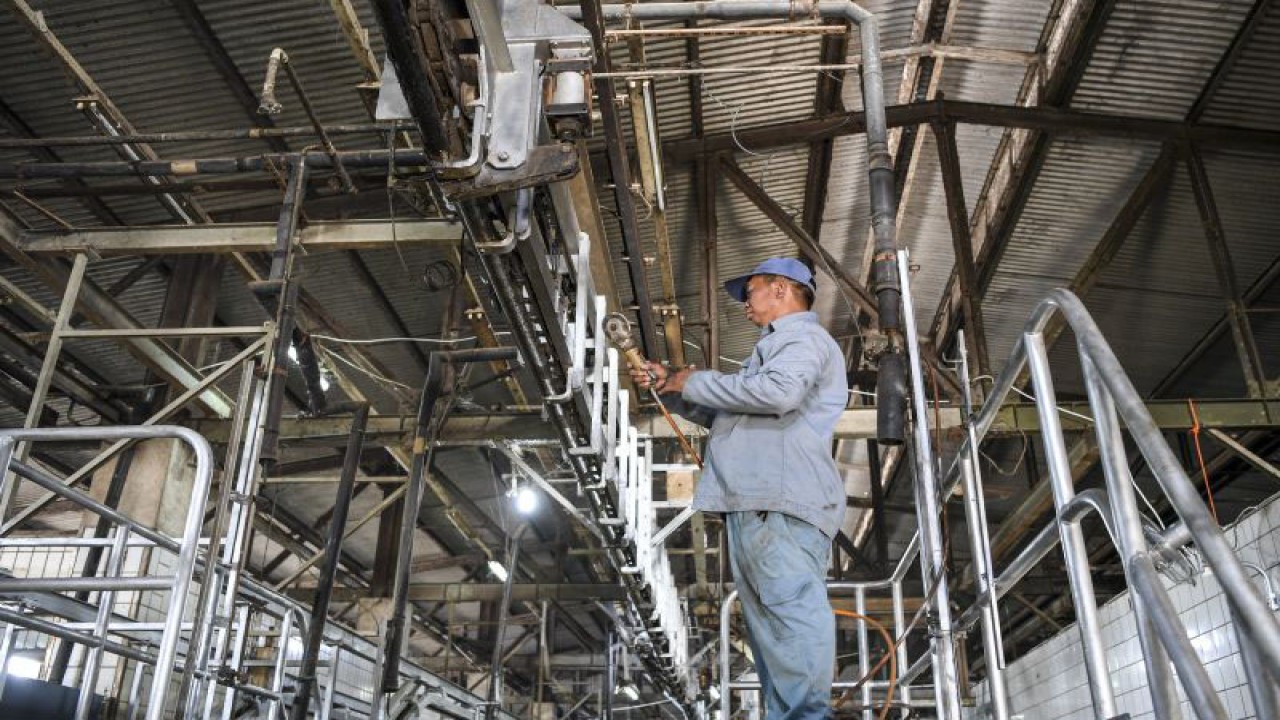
188 547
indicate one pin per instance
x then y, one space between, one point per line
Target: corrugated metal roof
1153 58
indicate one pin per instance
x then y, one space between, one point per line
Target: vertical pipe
864 651
135 690
329 567
900 627
980 546
194 677
335 667
610 674
281 288
394 640
6 649
1130 537
282 656
494 699
726 612
1262 680
93 659
241 626
932 562
1073 547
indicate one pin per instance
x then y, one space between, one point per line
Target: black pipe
379 129
393 19
208 166
278 294
329 565
891 399
439 376
494 696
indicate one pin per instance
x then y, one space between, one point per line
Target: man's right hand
651 375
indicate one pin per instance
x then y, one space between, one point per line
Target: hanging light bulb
499 570
526 500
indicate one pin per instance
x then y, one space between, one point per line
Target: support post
63 322
1255 376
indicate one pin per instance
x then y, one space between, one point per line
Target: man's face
764 300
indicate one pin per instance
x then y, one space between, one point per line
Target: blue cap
789 268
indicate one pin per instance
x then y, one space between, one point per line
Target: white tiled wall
1050 681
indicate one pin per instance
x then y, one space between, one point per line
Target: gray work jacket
772 425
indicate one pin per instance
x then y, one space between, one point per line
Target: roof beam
239 238
104 312
1054 121
1021 156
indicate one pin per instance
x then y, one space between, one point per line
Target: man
769 469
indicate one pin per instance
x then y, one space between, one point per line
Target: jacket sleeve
693 412
779 386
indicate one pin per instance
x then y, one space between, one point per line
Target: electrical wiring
330 355
891 654
695 346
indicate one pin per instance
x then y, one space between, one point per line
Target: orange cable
891 656
1204 471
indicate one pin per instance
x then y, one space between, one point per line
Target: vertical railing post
106 598
933 567
975 513
1073 546
1129 535
864 648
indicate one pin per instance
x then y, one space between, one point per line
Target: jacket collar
795 318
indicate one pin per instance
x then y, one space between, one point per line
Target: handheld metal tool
618 329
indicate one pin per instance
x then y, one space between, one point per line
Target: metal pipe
1182 493
271 106
1195 679
1073 546
211 166
494 697
6 649
932 562
432 389
1129 536
278 295
864 650
306 674
56 630
1262 679
980 547
11 143
93 660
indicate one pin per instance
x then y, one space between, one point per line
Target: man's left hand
675 380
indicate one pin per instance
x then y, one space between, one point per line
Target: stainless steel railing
163 647
1164 640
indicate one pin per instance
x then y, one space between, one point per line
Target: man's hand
660 378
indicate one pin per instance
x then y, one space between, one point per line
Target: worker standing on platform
770 471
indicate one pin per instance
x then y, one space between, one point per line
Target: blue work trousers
779 569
